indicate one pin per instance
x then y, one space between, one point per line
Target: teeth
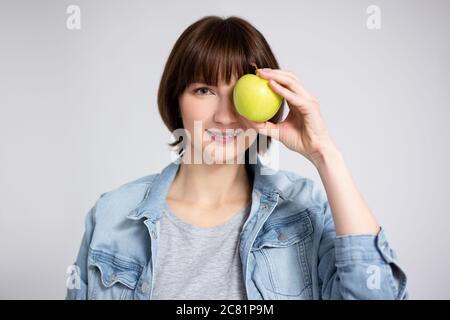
226 135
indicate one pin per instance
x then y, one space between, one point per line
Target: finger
306 93
285 72
281 78
300 87
294 100
267 128
285 92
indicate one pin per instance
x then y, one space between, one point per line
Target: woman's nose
226 112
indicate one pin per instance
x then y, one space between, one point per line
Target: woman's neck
211 185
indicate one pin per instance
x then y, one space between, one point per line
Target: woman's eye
202 91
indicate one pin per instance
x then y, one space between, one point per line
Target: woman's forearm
351 214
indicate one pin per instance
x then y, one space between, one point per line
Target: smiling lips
224 137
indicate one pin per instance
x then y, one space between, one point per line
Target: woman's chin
224 155
220 158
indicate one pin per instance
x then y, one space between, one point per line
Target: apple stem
255 66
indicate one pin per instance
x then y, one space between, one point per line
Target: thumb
266 128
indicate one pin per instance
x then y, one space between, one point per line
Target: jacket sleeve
356 266
77 282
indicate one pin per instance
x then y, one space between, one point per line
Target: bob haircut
209 48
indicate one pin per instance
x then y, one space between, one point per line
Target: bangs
220 51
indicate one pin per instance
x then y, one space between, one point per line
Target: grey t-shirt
199 263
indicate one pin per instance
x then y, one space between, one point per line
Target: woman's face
208 113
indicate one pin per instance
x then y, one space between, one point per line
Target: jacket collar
153 203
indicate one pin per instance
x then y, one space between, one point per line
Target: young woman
228 229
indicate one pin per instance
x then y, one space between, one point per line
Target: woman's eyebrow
207 85
202 84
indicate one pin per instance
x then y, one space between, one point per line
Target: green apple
254 99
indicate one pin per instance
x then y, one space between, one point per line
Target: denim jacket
288 245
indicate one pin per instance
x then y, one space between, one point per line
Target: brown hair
210 47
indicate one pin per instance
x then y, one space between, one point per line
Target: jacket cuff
371 249
364 248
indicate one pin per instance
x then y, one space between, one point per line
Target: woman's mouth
224 137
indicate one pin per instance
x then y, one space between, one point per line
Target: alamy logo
73 21
374 19
374 278
74 278
217 151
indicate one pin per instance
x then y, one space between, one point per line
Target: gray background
78 117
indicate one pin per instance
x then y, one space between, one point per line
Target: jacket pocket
281 252
111 276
